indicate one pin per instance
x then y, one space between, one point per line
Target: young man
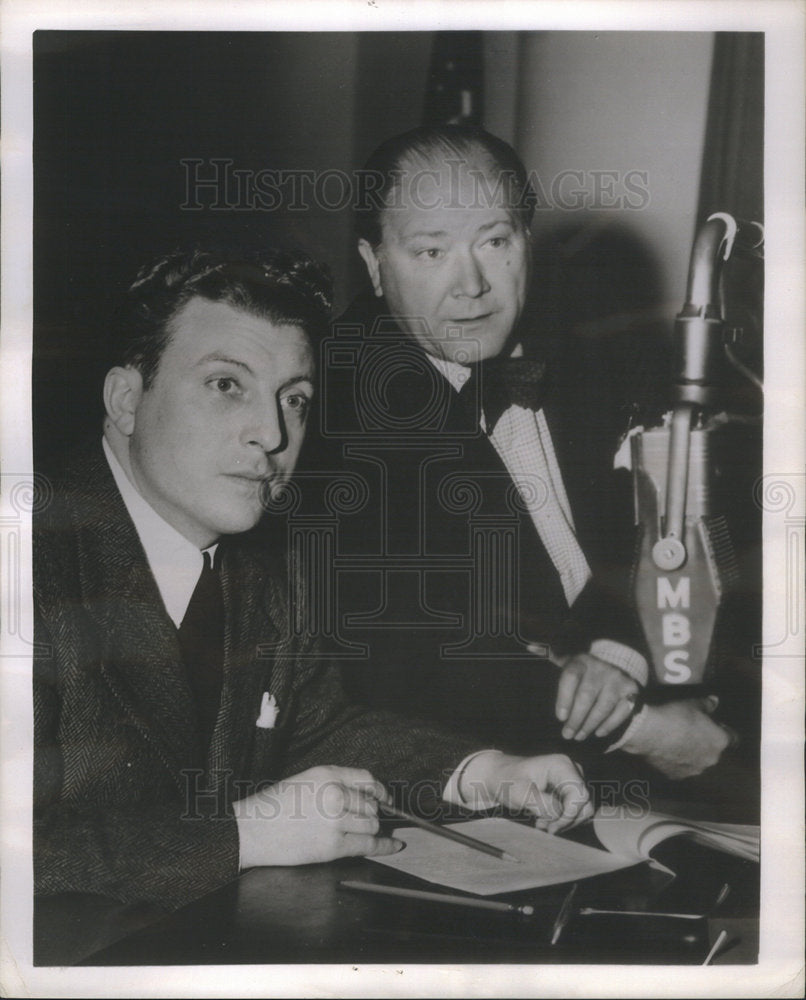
470 552
184 729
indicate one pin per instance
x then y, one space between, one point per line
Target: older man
463 575
184 730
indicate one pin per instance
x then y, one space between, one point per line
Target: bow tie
500 383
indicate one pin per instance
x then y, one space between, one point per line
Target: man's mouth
255 478
470 319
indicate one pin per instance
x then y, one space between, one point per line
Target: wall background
620 102
116 113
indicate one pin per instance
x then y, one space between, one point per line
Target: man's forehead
202 318
204 331
443 223
437 195
442 220
458 166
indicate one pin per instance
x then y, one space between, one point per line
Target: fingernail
399 844
562 714
581 735
568 733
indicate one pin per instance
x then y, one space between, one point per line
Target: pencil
590 911
449 834
438 897
717 945
564 915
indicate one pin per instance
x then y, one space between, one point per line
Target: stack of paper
636 836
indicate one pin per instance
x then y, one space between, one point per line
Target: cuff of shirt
452 792
637 723
626 659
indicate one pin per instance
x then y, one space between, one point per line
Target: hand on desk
550 787
319 815
680 739
592 696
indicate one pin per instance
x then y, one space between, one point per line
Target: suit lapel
141 660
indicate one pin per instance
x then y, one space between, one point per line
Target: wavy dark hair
285 288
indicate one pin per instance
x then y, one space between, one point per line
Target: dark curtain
455 88
732 177
732 181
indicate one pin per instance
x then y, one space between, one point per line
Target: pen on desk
564 915
449 833
715 948
438 897
724 892
591 911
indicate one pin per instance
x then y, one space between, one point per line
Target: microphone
678 605
685 562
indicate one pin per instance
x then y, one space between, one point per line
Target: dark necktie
499 383
201 639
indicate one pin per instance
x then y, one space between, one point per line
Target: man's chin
469 350
236 522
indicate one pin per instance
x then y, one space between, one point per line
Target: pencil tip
509 857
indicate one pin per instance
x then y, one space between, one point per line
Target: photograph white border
780 968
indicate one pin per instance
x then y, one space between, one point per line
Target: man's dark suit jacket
440 574
126 805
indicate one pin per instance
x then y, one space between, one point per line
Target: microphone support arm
698 339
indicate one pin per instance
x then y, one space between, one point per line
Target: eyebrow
438 233
223 359
296 381
496 222
433 233
217 358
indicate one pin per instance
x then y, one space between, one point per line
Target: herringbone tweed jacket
126 805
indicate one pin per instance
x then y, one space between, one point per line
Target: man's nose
469 279
266 428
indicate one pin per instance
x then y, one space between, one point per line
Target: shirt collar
455 373
175 562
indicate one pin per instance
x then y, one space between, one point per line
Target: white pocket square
268 712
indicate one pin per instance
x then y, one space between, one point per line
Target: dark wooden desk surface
301 915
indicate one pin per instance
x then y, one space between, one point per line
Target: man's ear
370 258
123 390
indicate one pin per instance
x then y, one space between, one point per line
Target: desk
300 915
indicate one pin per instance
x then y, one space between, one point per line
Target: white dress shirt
175 562
523 441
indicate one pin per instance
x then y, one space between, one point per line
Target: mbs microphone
685 563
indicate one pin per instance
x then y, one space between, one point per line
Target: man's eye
430 253
497 242
226 384
297 403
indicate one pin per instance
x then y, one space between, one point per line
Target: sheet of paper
545 859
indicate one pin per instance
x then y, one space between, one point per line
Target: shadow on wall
597 301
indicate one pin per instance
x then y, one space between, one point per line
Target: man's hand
680 739
549 787
319 815
593 696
